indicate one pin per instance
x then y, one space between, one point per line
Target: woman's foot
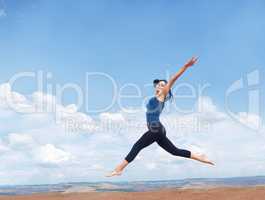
118 170
114 173
202 158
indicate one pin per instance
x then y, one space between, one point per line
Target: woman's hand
172 80
191 62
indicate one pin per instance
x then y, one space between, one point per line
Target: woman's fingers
191 62
194 60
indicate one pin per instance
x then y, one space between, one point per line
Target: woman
156 131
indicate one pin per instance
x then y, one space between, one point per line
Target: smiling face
159 87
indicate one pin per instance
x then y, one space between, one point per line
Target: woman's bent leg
146 139
166 144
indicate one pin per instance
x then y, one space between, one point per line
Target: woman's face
159 86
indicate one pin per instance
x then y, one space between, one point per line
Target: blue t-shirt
154 108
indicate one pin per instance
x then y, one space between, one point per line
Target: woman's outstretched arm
172 80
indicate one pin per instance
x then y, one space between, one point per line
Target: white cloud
20 141
3 147
13 100
151 166
249 119
113 117
40 141
205 104
49 154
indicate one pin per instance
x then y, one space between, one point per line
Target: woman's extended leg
146 139
166 144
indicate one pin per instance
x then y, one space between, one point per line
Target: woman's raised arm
172 80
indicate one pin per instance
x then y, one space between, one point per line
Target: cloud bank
61 144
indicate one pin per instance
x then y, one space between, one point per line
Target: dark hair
170 95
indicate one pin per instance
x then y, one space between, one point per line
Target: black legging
156 133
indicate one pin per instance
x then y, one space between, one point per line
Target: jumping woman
156 131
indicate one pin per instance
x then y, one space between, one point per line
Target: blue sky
133 42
